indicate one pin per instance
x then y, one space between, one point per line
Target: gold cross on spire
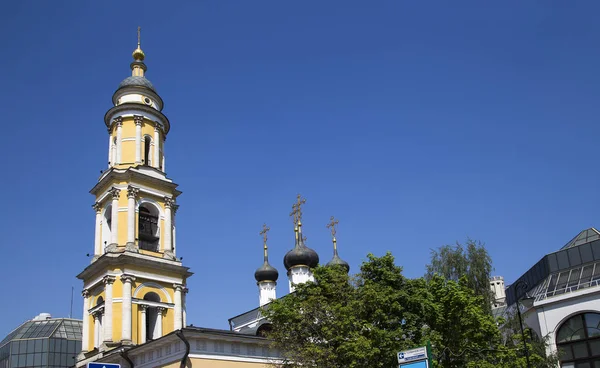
264 232
332 226
296 213
139 36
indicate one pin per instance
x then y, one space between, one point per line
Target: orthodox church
134 305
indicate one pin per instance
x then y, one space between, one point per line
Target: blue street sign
421 364
103 365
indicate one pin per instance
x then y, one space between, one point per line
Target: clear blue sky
416 124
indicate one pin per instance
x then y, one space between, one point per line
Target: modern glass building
43 342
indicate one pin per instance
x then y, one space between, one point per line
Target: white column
158 330
164 161
110 149
119 139
167 242
143 308
178 306
97 315
156 148
86 319
126 305
131 195
114 222
108 307
98 231
173 232
138 138
184 298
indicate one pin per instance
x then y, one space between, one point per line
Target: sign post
414 358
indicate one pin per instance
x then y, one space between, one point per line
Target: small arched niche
147 144
106 227
152 321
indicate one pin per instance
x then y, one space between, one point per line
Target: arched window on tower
106 227
148 230
578 341
152 321
147 143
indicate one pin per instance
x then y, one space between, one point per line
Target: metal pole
522 285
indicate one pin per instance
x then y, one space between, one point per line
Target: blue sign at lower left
103 365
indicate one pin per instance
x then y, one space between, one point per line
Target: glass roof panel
586 236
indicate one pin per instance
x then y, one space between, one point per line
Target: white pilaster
126 322
174 234
108 308
158 330
143 308
138 138
131 195
155 161
178 306
98 230
114 222
119 140
164 161
110 149
86 319
97 328
168 244
184 311
266 292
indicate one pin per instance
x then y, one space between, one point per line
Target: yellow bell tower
134 289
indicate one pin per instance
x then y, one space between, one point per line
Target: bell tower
134 289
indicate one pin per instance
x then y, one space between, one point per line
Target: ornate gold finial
138 54
264 232
296 213
332 226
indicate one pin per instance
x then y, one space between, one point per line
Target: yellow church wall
128 146
213 363
135 325
90 334
117 321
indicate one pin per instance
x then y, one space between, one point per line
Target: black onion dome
266 272
337 261
301 255
136 81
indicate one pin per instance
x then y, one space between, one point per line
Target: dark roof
46 328
581 250
136 81
337 261
301 255
266 272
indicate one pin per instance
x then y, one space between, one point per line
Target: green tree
342 321
364 320
471 261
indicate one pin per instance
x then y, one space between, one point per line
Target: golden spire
138 54
332 226
264 232
296 213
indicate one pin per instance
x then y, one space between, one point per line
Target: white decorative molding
152 285
148 200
